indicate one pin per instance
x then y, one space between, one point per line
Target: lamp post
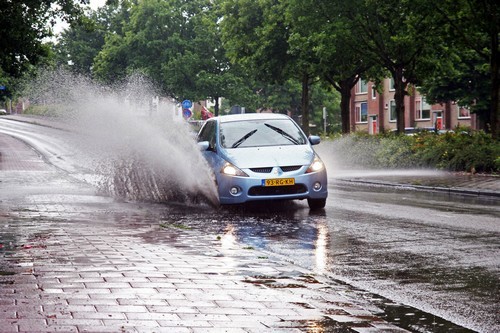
324 120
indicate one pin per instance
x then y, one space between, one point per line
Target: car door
208 133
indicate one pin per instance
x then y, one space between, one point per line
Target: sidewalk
447 182
71 261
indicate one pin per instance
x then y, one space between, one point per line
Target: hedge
459 150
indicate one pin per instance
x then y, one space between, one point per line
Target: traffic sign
187 104
186 113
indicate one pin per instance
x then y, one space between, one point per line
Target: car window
259 133
207 133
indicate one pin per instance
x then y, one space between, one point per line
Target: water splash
137 147
355 157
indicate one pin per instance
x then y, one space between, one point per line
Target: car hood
260 157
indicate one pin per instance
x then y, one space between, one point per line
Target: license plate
278 182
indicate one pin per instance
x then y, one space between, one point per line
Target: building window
422 110
463 112
392 111
374 93
391 85
361 111
362 87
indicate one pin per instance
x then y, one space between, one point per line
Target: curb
450 190
35 120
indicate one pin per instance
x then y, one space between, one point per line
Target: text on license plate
278 182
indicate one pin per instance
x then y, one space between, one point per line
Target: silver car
263 157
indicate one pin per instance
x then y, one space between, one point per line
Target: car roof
251 116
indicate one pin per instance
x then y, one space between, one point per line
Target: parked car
3 112
263 157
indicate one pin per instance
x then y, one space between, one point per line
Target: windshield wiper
246 136
285 134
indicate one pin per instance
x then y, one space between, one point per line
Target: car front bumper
235 190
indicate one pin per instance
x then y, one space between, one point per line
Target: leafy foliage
25 25
460 150
177 44
322 35
465 67
257 52
80 43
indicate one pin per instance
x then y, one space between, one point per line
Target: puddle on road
292 223
410 318
325 325
400 315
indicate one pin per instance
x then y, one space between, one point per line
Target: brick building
374 113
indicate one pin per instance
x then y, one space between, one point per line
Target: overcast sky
94 4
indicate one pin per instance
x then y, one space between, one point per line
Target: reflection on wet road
435 252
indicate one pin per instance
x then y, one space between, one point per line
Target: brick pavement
71 261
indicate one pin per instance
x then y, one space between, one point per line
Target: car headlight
316 165
231 170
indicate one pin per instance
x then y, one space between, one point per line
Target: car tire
316 203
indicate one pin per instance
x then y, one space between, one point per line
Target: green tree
256 36
200 69
398 35
458 75
468 70
111 63
323 96
177 44
25 25
79 44
321 31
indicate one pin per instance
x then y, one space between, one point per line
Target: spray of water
352 157
138 148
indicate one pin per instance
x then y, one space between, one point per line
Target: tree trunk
399 97
345 106
344 87
305 103
216 106
495 86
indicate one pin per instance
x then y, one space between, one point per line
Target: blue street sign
186 113
187 104
3 87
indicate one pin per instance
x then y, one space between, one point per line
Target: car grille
283 168
262 170
291 168
277 190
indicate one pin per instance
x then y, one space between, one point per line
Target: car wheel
316 203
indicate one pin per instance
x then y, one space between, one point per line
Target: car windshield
260 133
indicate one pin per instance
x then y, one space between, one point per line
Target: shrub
357 150
461 150
42 110
458 151
395 152
36 110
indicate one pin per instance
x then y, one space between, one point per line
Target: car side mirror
314 139
203 145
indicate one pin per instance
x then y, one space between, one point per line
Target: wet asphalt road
431 251
420 254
